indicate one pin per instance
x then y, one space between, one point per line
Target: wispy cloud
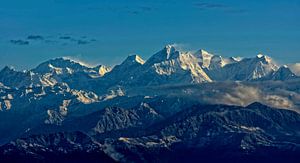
19 42
140 9
82 42
65 39
135 10
79 59
217 6
275 94
35 37
206 5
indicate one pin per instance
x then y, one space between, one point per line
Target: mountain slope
245 70
247 134
125 72
17 79
170 66
58 147
283 73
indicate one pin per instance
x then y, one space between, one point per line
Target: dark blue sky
106 31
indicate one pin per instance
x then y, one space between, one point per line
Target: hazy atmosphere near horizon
106 32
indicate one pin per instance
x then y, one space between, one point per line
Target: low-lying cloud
295 68
275 94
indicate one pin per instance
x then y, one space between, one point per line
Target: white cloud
274 94
295 68
78 60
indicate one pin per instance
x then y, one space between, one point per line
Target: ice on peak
283 73
260 55
203 52
216 58
216 62
61 65
285 68
60 60
70 60
170 49
235 59
265 59
102 70
134 59
167 53
203 58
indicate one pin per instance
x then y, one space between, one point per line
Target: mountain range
175 106
168 66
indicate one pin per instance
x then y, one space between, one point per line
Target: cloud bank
282 95
295 68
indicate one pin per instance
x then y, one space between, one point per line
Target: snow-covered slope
125 72
283 73
245 70
12 78
61 67
218 62
171 66
203 58
102 70
168 66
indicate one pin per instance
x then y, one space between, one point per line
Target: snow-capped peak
102 70
133 59
203 58
283 73
216 62
264 58
60 65
235 59
68 59
259 55
169 50
167 53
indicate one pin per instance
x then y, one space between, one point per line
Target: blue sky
107 31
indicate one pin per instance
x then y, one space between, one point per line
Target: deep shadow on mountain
208 133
